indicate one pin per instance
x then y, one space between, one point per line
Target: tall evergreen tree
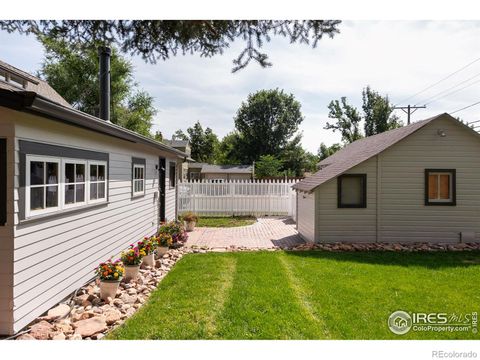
162 39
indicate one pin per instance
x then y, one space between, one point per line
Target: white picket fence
238 197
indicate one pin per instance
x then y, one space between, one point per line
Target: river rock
91 326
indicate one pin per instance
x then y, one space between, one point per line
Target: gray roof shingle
358 152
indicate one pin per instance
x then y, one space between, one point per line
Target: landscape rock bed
86 316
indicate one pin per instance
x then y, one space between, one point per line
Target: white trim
140 180
85 182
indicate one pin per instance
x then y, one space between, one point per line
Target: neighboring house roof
360 151
177 143
32 83
227 169
196 165
44 102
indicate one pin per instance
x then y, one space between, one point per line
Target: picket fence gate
238 197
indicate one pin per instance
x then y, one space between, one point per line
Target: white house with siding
74 191
418 183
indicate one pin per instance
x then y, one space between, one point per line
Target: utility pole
409 110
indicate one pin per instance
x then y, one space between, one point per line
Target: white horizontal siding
54 256
306 216
335 224
404 217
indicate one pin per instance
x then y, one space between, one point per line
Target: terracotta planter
149 260
108 288
190 225
161 250
131 272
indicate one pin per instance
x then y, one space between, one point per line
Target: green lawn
225 221
305 295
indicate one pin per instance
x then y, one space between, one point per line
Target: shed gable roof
360 151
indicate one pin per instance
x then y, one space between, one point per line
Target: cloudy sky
398 58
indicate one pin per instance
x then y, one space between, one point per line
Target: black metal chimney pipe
104 79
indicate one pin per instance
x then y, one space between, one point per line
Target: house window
97 181
138 179
53 184
75 180
352 191
440 187
172 174
43 184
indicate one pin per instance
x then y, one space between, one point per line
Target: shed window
172 174
352 191
440 187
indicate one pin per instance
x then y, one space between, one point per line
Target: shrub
189 216
176 230
110 270
132 256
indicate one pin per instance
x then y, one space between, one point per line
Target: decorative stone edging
86 316
89 317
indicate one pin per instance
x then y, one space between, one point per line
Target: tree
158 136
348 120
161 39
73 73
265 123
268 166
325 151
228 149
180 135
377 115
295 160
204 143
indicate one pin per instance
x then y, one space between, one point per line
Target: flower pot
131 272
161 250
190 225
149 260
108 288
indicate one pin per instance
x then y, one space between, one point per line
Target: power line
453 92
466 107
439 81
446 90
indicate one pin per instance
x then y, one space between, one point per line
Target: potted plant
190 219
131 259
147 246
110 274
164 241
176 230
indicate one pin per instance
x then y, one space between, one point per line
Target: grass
225 221
305 295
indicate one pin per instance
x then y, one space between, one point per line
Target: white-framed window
43 185
97 171
53 183
138 181
75 180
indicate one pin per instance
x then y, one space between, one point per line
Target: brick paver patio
266 233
